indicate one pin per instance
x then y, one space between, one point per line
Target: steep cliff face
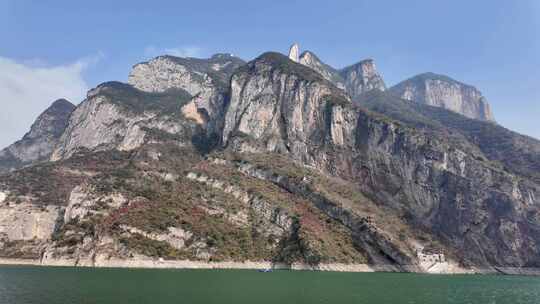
362 77
302 172
516 153
442 91
281 105
205 79
118 116
38 144
465 202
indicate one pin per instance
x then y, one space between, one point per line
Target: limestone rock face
294 52
466 204
118 116
27 222
205 79
362 77
263 99
442 91
38 143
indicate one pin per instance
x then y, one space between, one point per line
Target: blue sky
52 49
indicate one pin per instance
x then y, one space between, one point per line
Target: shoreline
251 265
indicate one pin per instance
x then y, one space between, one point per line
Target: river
58 285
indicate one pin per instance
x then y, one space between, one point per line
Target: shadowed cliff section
38 144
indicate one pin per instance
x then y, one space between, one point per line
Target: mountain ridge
282 165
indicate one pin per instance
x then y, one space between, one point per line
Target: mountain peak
362 77
52 121
443 91
62 103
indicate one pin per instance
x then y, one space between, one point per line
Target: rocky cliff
442 91
205 79
38 144
299 171
329 73
465 202
362 77
354 80
118 116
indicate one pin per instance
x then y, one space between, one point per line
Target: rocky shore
186 264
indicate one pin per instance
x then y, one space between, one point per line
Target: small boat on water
265 270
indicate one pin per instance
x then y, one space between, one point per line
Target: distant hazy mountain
445 92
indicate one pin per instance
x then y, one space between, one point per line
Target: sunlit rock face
117 116
205 79
442 91
362 77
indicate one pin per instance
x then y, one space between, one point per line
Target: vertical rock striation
117 116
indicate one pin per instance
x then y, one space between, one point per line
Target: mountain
512 151
311 60
355 79
443 91
118 116
362 77
206 79
433 183
293 170
38 144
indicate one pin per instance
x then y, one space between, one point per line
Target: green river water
51 285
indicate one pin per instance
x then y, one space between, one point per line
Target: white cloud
184 51
27 88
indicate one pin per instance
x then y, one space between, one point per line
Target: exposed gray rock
442 91
355 79
265 97
117 116
517 153
433 173
475 209
362 77
38 144
205 79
